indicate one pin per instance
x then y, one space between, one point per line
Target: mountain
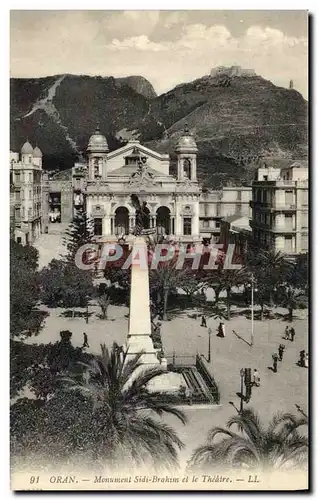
235 120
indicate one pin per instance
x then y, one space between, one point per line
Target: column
195 222
178 221
106 226
172 224
132 222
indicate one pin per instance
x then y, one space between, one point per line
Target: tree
120 394
191 283
79 233
164 280
104 301
25 319
40 366
107 416
63 284
226 279
279 446
271 268
290 297
299 273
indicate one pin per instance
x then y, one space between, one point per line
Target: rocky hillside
235 120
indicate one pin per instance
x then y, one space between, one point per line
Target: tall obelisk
139 330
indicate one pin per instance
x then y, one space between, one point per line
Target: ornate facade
173 202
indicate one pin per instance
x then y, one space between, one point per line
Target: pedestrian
306 360
302 356
275 359
292 334
286 333
203 321
188 395
85 343
221 330
256 378
281 351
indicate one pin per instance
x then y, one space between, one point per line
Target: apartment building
215 205
26 194
280 206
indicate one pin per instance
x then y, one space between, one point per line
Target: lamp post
252 308
209 353
242 385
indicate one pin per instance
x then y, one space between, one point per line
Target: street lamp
251 286
242 372
209 353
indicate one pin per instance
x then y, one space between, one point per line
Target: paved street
50 245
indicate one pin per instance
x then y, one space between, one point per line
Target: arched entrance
163 220
121 221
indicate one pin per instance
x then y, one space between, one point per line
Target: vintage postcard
159 250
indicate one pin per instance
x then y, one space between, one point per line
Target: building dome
37 153
186 143
27 149
97 142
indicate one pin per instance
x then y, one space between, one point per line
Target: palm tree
291 298
228 279
165 279
103 302
123 408
279 446
270 267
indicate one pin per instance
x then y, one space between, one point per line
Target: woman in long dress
221 331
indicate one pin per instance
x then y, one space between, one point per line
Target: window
98 226
17 213
30 159
17 177
187 226
205 223
30 177
18 195
265 177
30 194
19 240
217 223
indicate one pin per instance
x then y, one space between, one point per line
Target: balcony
273 207
283 229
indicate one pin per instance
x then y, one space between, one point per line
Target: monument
139 330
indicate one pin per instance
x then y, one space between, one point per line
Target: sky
166 47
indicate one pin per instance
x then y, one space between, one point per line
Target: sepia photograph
159 250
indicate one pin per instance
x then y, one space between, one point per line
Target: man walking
281 351
85 343
256 378
286 333
203 321
292 334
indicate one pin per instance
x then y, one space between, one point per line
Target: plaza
278 391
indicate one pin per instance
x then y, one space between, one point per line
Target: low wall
200 364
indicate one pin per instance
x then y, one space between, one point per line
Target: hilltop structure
232 71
